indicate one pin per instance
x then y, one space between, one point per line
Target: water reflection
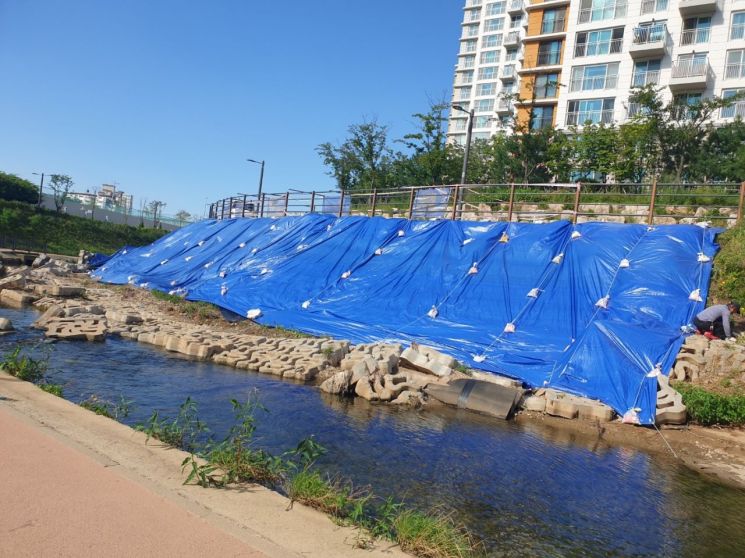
528 489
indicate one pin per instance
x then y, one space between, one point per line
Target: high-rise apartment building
576 61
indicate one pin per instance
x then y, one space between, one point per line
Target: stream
526 489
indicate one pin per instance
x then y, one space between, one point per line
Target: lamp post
41 186
259 210
456 203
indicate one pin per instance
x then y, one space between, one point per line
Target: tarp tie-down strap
465 393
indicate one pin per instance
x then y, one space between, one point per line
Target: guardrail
650 203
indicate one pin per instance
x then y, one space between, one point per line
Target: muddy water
528 490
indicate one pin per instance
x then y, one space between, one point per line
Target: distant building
108 197
575 61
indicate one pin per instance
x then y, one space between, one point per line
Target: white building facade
577 60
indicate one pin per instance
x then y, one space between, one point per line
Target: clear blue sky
167 98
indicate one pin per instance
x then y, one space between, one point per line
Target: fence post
287 202
577 194
341 204
375 200
740 205
222 210
261 205
456 197
411 203
243 209
313 201
650 217
512 203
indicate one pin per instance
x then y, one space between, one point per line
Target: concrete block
534 403
561 408
16 299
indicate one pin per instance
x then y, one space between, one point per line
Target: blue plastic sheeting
595 307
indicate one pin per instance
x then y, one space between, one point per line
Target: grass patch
432 536
23 367
199 311
708 409
107 408
54 389
311 489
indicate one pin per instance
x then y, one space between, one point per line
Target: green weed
708 408
54 389
432 536
181 431
107 408
23 366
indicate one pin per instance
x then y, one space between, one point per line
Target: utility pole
41 187
261 185
456 203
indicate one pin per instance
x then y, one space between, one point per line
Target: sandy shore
78 484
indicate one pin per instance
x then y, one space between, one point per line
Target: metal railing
472 16
516 5
582 117
593 83
473 3
690 67
551 58
641 79
508 71
465 79
553 26
611 46
651 203
650 34
734 71
468 48
695 36
512 38
735 110
652 6
737 31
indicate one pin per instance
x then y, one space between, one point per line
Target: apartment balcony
690 75
649 41
538 5
642 79
515 6
734 71
607 11
589 84
503 106
472 4
695 36
508 72
612 46
690 8
512 39
589 116
735 110
553 26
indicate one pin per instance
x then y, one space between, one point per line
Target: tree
678 128
156 208
722 156
362 161
14 188
182 216
60 184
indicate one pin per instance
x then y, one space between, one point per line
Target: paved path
57 501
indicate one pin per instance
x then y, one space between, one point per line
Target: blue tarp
595 307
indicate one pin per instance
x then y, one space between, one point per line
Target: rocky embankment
76 308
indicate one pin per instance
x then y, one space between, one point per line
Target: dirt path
77 484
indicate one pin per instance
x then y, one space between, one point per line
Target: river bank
243 521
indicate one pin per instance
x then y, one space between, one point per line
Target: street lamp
261 184
468 141
41 186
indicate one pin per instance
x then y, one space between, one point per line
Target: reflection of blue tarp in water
378 279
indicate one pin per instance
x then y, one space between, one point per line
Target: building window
597 76
491 41
470 30
511 55
652 6
472 15
737 29
545 86
516 21
465 78
646 73
466 62
598 10
487 73
493 24
490 57
541 117
690 65
696 30
495 8
590 111
482 121
485 105
459 125
736 109
485 89
602 41
467 47
464 93
549 53
735 66
553 21
651 32
684 101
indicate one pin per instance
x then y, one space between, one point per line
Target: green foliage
17 189
709 409
54 389
18 364
60 185
311 489
728 278
160 295
67 234
432 536
181 431
107 408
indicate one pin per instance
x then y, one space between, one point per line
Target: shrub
728 280
708 408
17 189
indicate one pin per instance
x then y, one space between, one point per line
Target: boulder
5 325
338 383
15 298
40 260
427 359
